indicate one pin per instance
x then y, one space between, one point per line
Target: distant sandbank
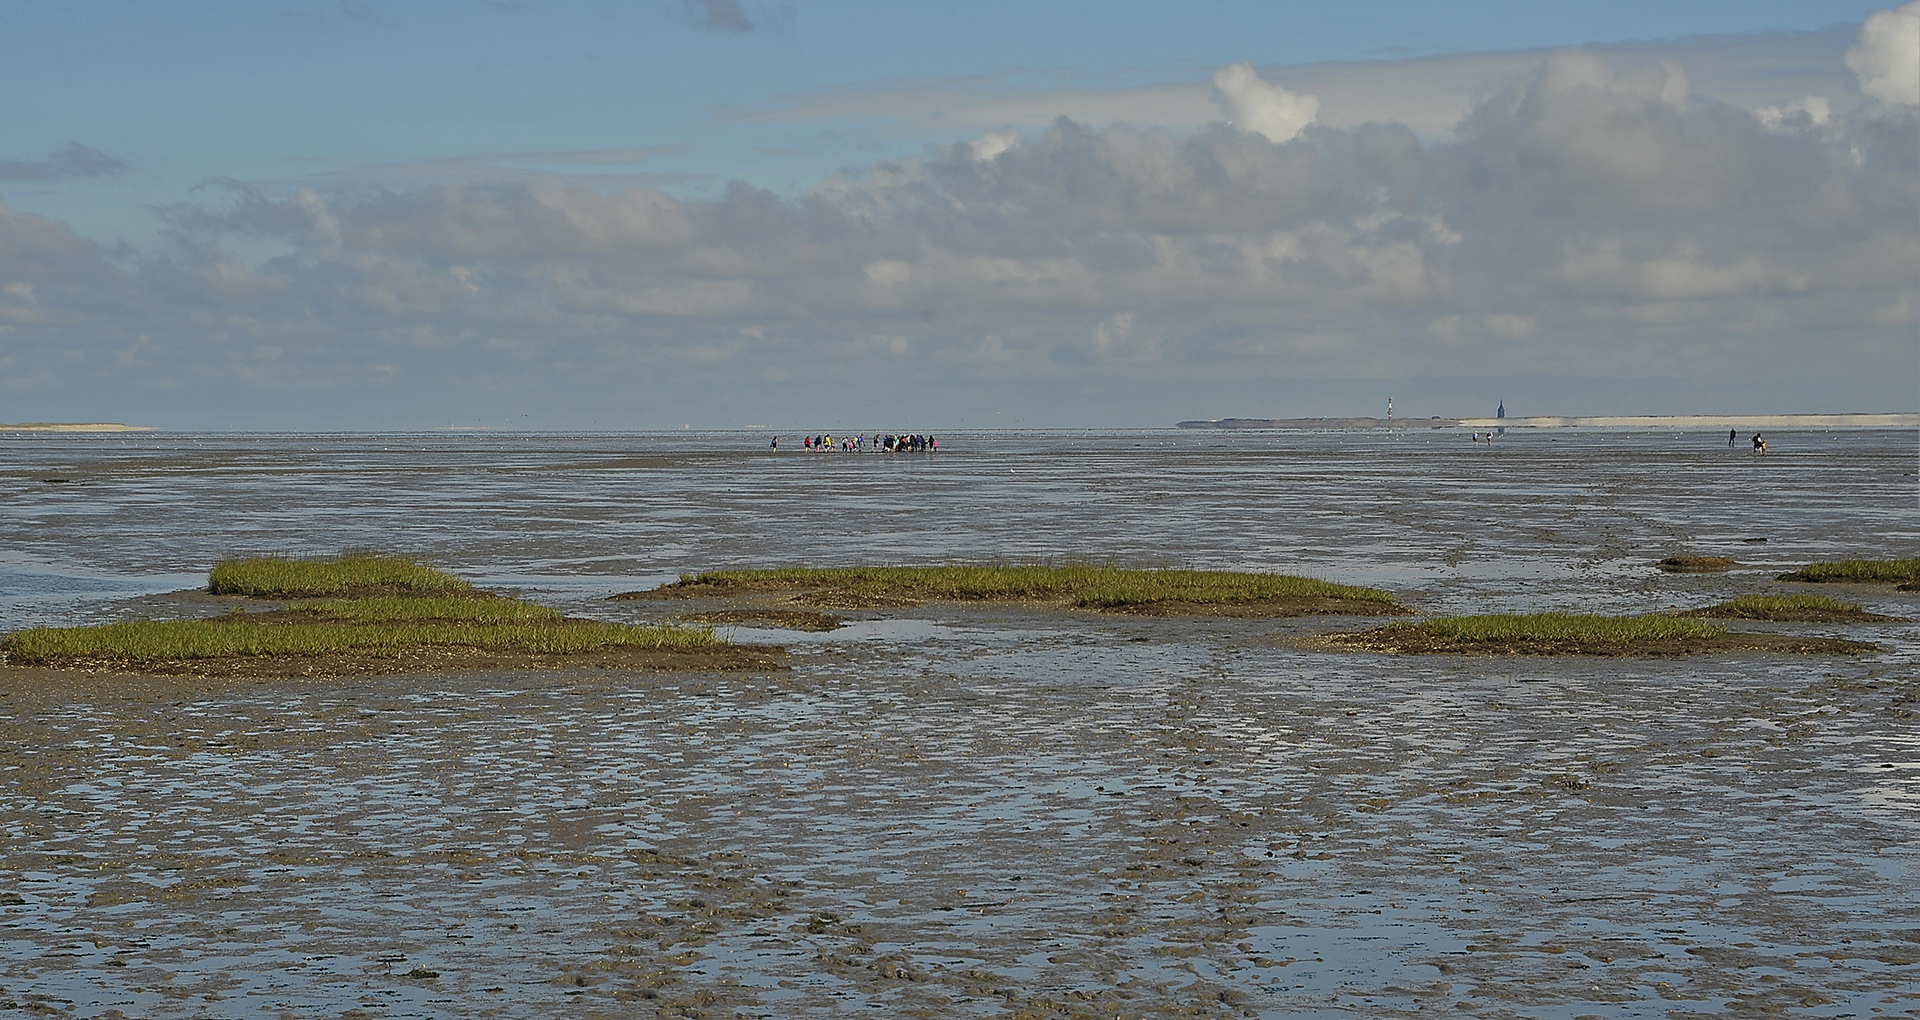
63 426
1682 421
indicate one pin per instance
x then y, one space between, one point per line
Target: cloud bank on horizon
1593 229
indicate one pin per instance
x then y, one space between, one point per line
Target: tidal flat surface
972 810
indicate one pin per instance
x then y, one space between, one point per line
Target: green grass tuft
431 609
399 609
1687 563
1087 585
153 640
275 577
1500 628
1868 571
1769 604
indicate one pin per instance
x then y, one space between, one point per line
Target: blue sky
635 214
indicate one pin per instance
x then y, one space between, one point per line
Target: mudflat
972 809
1199 819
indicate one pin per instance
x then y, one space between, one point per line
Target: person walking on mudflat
1759 445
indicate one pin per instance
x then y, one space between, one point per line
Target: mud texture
971 810
1411 641
1696 564
1789 615
426 659
786 619
1181 823
763 596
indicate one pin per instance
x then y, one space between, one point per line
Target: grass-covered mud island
1788 609
1904 573
1069 587
364 615
1582 634
1687 563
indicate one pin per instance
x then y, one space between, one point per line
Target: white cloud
993 143
1430 95
1579 134
1252 104
1799 115
1120 338
1588 217
1886 55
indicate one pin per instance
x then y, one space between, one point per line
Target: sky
374 214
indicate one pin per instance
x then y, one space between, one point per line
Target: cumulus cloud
993 143
1799 115
1121 338
1587 218
1251 104
1886 55
1577 133
1430 94
74 161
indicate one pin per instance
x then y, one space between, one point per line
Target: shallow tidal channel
972 811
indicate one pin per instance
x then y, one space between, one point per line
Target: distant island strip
61 426
1701 421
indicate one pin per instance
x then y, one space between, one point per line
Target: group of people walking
878 443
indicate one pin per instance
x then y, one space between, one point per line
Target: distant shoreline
58 426
1696 421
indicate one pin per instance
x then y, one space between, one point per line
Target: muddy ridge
764 596
1409 641
1788 615
787 619
429 659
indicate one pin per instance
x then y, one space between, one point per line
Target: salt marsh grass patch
351 574
1858 572
1787 609
144 641
1580 634
1084 586
474 608
437 620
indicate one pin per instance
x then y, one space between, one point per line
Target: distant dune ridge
1701 421
61 426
